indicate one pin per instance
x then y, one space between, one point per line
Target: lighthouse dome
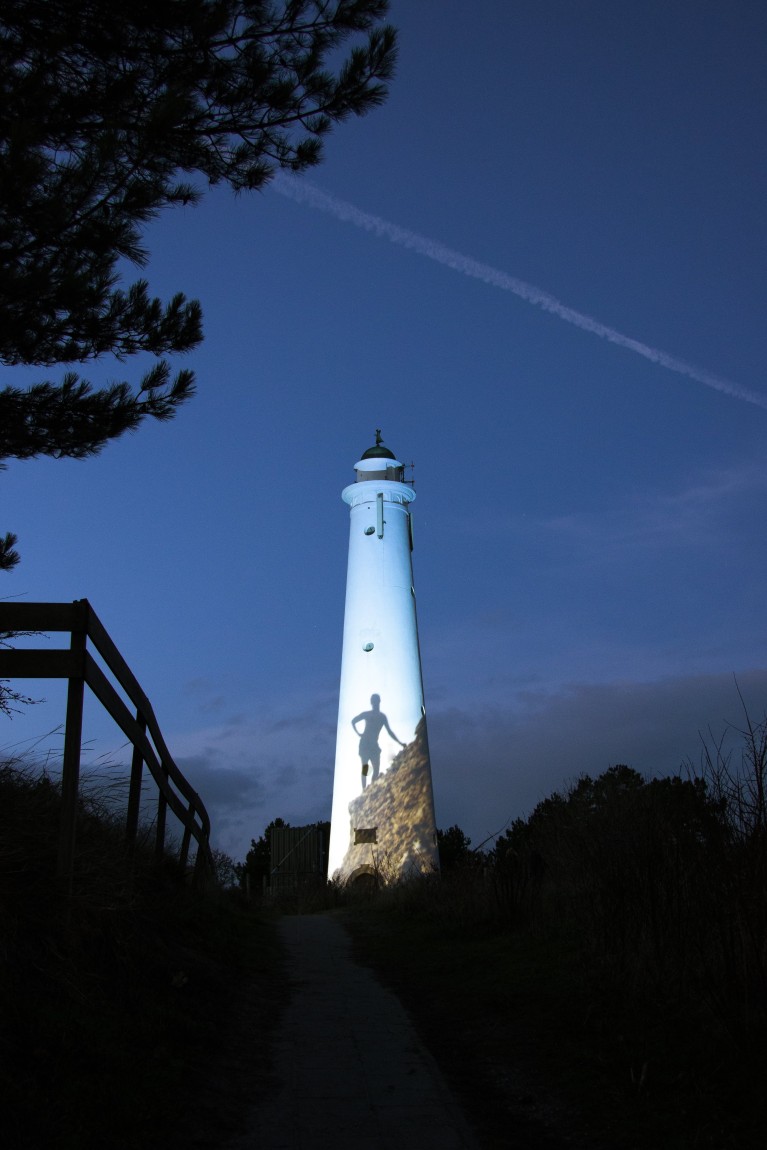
379 451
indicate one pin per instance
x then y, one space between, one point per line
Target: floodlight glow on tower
382 821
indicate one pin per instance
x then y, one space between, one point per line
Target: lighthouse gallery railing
77 665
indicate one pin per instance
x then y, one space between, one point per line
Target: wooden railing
78 666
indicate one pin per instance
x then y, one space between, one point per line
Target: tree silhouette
107 110
257 862
454 848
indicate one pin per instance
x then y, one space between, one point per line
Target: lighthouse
382 821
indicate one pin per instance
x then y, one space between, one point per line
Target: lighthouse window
368 647
365 835
370 530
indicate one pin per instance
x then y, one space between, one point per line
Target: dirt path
349 1069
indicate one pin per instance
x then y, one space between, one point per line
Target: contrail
305 193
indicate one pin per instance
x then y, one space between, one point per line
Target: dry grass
132 1011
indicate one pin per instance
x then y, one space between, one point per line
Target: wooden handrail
79 667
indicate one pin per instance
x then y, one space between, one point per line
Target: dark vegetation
599 978
134 1013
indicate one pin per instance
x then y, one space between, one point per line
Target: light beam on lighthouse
382 820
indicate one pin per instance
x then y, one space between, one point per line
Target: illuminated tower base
382 822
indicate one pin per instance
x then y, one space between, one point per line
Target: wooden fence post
186 840
73 733
134 791
162 813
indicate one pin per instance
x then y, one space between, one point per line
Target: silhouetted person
370 752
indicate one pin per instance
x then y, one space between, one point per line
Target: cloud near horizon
494 765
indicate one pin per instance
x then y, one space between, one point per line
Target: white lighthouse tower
382 821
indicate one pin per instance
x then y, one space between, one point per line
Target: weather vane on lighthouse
382 821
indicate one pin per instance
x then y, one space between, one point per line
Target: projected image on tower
370 750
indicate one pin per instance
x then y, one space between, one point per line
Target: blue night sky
590 545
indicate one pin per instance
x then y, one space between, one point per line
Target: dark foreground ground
136 1012
543 1058
537 1058
169 1041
